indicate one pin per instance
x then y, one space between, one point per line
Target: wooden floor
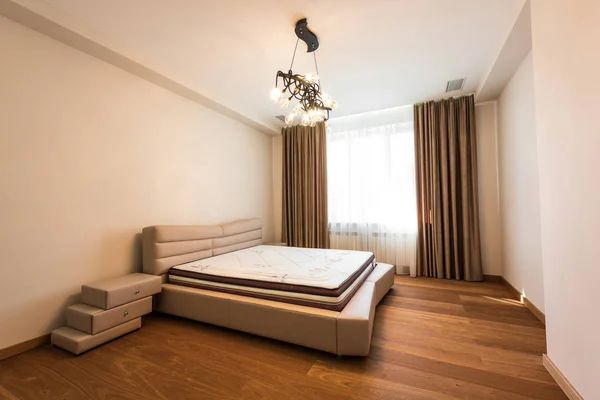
433 339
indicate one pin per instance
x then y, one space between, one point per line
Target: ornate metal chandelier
313 105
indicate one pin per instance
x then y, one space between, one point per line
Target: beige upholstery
114 292
241 226
306 326
166 246
171 249
93 320
383 278
346 333
77 342
355 322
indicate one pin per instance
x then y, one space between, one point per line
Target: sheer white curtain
371 186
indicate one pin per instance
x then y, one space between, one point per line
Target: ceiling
374 54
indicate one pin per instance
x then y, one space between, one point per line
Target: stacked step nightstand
108 309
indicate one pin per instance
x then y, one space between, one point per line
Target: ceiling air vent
280 117
455 85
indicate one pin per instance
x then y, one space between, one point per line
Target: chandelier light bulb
305 120
289 119
276 94
312 78
285 103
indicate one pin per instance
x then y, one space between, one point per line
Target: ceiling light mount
313 105
306 35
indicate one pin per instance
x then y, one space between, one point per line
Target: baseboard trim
24 346
492 278
562 380
534 310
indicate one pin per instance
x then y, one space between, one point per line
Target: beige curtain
304 221
448 244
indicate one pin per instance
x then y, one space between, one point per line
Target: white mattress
279 295
317 268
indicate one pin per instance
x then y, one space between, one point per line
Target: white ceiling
374 54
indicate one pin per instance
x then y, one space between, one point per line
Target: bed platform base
347 332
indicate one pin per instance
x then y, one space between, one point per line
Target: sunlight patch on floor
511 302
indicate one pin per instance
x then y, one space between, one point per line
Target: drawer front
109 297
121 314
131 293
77 342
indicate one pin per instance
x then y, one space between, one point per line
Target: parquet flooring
432 339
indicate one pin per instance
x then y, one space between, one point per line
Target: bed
224 275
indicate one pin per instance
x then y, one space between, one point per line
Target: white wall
90 155
489 209
566 62
519 188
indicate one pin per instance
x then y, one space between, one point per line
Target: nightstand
108 309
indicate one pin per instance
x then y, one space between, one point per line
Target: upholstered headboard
167 245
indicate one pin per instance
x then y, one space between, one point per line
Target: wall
91 154
566 62
519 188
489 210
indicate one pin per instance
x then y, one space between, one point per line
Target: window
371 185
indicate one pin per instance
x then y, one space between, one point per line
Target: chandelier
313 105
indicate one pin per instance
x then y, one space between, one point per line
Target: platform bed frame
347 332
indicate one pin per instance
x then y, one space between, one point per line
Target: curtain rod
447 98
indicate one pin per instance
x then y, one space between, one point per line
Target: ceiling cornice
38 23
514 50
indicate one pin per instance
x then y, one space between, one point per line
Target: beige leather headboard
167 245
